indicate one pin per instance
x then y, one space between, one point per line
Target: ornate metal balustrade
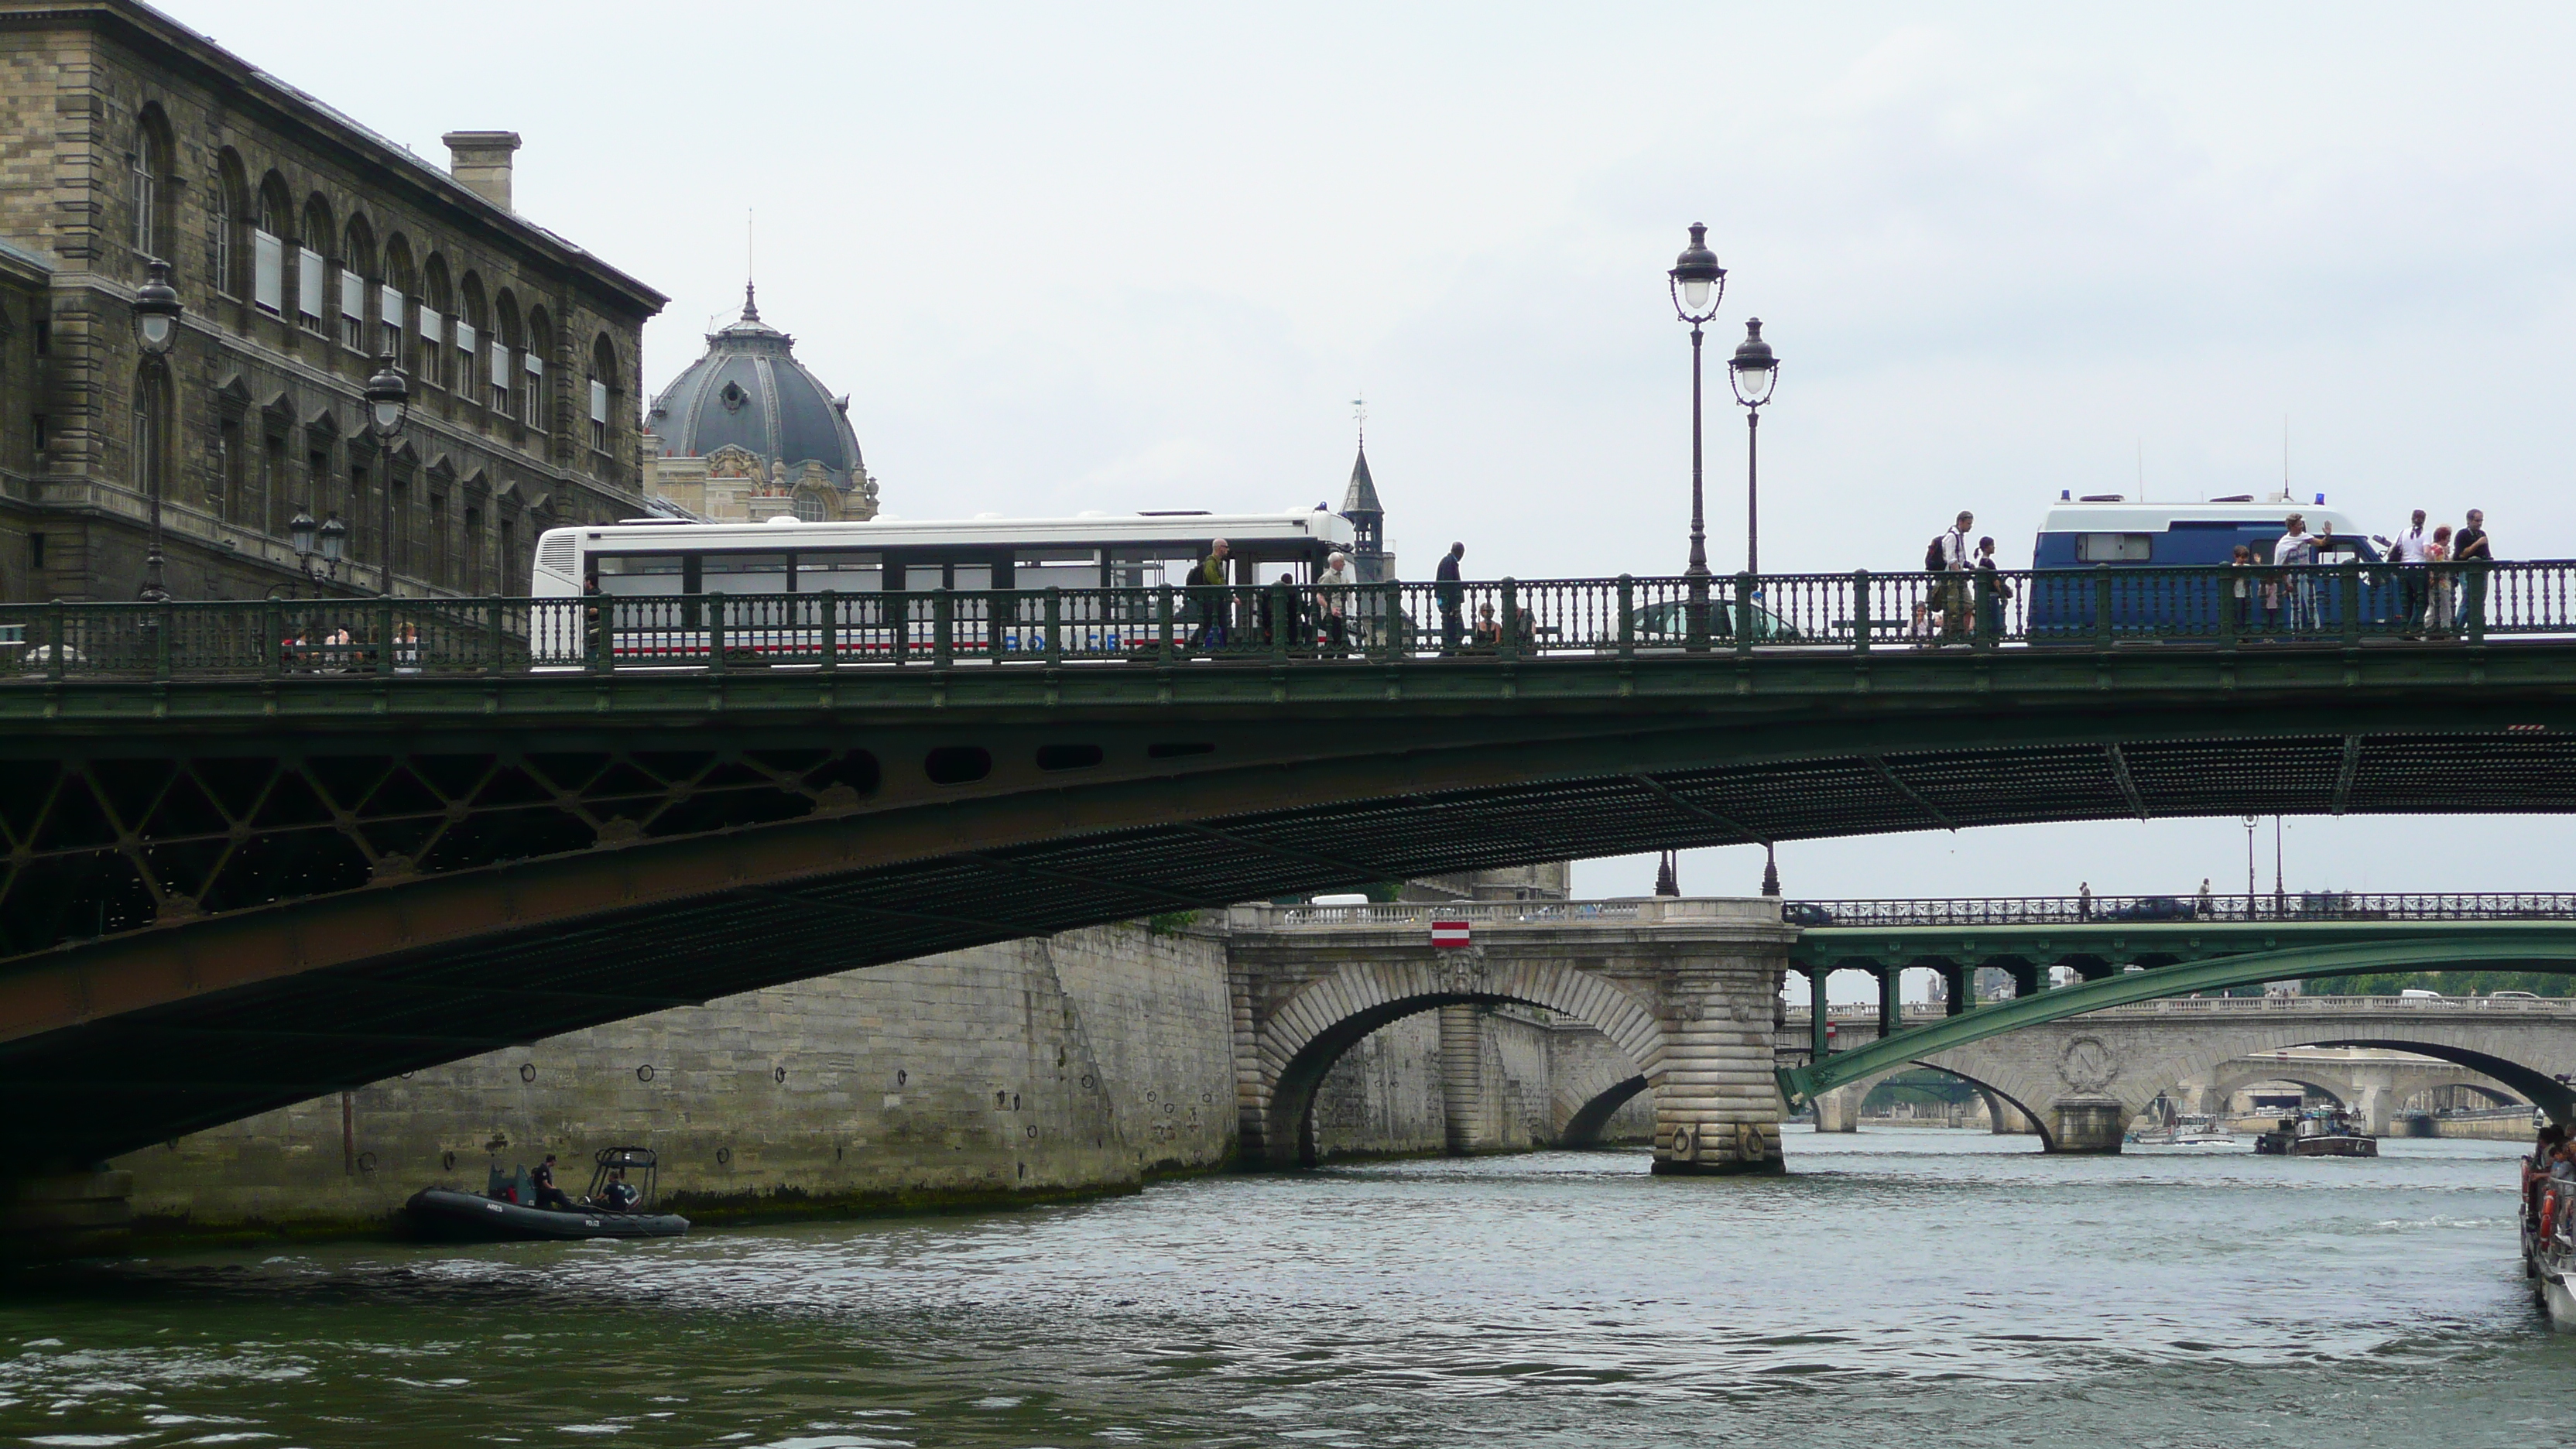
1498 622
2232 909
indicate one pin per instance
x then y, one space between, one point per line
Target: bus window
970 577
1151 568
1060 568
841 573
2113 547
634 575
744 573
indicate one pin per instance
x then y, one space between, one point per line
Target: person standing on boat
549 1195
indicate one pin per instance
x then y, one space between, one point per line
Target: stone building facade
304 247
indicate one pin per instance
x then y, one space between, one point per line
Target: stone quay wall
1076 1064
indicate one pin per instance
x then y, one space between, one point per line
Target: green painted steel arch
2536 946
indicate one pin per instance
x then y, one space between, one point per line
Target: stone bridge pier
1688 990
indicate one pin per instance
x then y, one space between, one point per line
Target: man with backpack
1950 556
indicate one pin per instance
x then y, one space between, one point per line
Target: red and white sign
1448 934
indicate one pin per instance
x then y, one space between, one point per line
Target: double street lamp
1698 285
388 403
332 538
156 327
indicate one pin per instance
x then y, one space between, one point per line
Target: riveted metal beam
1878 764
1660 791
2119 762
2344 775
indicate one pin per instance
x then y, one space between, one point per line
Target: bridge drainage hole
957 764
1068 757
1173 750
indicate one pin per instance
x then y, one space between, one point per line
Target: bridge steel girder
2519 945
1215 783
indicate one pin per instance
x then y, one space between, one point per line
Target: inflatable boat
505 1212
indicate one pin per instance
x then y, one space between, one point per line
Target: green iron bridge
260 851
2127 950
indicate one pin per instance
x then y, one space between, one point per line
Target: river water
1898 1288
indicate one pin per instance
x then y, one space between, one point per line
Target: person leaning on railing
2471 546
1991 593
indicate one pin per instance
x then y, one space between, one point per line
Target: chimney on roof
481 161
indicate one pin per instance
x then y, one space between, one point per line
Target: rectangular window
268 272
433 347
532 403
2113 547
473 580
634 575
353 311
842 573
438 539
145 202
228 467
308 288
742 573
465 342
498 377
509 556
219 237
599 415
390 310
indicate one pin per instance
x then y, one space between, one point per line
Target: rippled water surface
1897 1289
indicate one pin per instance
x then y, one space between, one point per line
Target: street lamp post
1698 285
156 327
1753 371
388 401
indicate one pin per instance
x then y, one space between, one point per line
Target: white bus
659 582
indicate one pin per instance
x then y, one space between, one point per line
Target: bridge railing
1922 1014
1283 623
2293 906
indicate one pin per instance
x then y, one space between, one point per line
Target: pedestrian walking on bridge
1451 592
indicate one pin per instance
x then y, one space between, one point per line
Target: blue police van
2121 564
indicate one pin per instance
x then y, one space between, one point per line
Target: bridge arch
1330 1014
2296 1073
1585 1124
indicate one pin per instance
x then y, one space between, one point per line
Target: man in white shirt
2298 593
1332 600
1956 558
2408 548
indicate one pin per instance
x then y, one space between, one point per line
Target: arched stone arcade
1688 1009
1328 1016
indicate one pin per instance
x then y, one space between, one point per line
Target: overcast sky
1103 256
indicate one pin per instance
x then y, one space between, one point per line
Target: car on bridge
1668 621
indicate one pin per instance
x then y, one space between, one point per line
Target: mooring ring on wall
1682 1144
447 1162
1748 1142
724 1155
366 1162
1086 1081
527 1071
644 1073
1033 1129
779 1075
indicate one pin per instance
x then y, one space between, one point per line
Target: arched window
228 206
393 297
501 377
436 304
469 336
357 266
603 394
148 194
151 428
532 372
268 246
311 267
810 507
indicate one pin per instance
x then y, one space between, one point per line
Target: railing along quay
2286 907
1500 621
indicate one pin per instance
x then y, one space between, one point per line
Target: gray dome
751 392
